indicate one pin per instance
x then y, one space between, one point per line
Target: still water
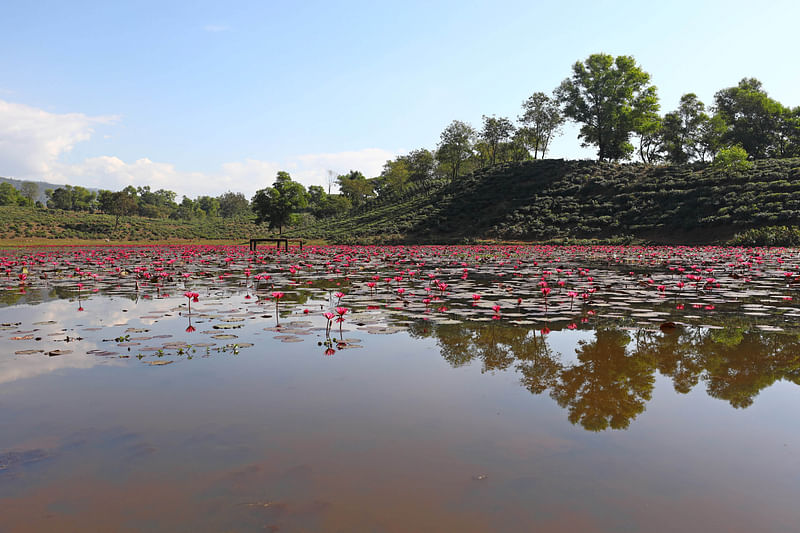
456 393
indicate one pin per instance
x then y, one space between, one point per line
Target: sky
205 97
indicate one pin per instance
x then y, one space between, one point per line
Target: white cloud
109 172
33 141
313 168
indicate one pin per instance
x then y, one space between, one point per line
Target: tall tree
711 139
608 96
233 204
355 187
751 116
455 146
155 204
684 129
787 142
8 194
209 205
277 203
650 130
120 203
29 190
70 198
421 166
542 117
394 178
523 141
495 132
316 195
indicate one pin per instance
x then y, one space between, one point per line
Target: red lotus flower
190 329
193 297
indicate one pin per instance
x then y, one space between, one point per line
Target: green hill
557 200
545 200
25 223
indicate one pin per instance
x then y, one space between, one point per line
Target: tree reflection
455 342
539 365
610 386
738 364
675 353
614 376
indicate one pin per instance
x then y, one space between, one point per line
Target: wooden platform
277 241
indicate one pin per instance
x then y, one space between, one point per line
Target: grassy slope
535 200
554 199
26 225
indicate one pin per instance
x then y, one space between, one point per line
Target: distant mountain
43 186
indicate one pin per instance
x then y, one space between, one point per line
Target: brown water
420 420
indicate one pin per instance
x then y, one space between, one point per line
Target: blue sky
203 97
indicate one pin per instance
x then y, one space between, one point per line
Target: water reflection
251 413
488 306
608 380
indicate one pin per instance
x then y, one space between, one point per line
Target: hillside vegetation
557 200
18 223
543 200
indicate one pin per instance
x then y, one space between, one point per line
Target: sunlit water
632 409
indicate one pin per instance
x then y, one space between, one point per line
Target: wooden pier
277 241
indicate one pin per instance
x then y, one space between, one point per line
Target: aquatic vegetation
493 291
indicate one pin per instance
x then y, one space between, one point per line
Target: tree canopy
542 118
277 203
455 146
355 187
756 122
608 96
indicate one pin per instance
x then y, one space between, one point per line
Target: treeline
557 200
611 98
618 111
142 201
24 197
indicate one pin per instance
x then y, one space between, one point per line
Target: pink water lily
193 297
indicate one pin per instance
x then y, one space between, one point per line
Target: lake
449 388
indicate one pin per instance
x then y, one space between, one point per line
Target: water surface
632 408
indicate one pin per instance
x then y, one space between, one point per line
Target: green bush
732 158
768 236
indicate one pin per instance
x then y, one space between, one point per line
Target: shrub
768 236
732 158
